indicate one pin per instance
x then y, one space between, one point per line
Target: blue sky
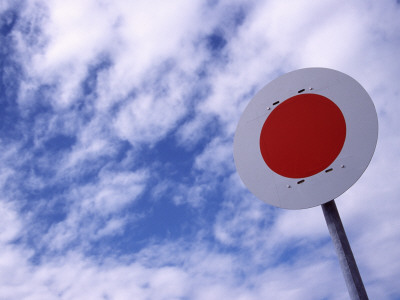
116 129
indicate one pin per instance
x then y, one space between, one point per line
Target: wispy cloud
116 125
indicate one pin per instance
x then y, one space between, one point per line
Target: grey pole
348 264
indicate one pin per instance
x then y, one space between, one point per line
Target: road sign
305 138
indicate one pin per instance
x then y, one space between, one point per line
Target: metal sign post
347 262
303 140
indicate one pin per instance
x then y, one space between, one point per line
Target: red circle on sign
302 136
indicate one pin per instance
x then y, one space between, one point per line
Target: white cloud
199 274
10 224
153 52
147 119
194 195
73 35
97 209
4 6
113 191
191 132
216 158
135 36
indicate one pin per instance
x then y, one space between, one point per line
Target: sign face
305 138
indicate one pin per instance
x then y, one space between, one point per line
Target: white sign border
361 138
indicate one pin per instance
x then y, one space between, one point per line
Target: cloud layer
116 127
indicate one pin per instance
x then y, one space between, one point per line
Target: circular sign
305 138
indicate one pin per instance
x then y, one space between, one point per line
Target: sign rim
361 139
